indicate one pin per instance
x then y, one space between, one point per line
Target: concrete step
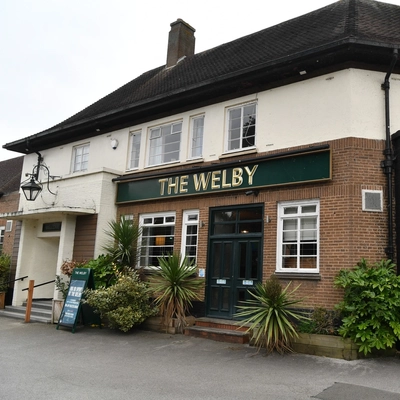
41 311
219 330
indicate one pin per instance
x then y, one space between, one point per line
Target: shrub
270 315
5 264
124 304
371 305
321 321
105 272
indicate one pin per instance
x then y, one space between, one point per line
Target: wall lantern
33 187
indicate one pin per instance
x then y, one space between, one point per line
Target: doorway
235 258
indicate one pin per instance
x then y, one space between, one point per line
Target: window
2 231
157 237
135 149
9 225
241 127
298 237
190 229
197 128
165 143
81 158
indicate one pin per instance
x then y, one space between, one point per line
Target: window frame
299 216
186 223
134 152
194 136
2 237
75 156
161 137
228 139
146 247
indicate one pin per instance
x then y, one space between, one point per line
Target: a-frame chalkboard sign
81 279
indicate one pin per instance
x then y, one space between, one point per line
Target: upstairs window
135 149
197 131
80 158
298 237
165 142
241 127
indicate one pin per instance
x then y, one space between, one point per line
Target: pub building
268 155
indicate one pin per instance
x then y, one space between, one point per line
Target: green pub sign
282 170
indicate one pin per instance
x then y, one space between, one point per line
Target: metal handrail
15 280
41 284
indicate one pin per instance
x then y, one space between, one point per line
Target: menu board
81 279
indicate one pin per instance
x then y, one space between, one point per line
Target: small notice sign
81 279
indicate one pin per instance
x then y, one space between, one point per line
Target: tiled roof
345 22
358 20
10 174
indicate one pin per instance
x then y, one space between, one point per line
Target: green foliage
123 246
174 286
105 272
270 315
320 321
371 305
124 304
5 264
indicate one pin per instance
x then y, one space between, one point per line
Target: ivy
371 305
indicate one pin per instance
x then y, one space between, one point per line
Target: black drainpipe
387 164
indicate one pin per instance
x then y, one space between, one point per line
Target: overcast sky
60 56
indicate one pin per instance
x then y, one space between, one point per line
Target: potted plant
174 286
270 316
5 264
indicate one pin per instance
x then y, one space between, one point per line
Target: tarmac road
39 362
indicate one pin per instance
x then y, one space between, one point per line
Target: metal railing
30 297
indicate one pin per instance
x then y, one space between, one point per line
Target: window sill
238 152
311 276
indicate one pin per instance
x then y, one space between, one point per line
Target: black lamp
31 189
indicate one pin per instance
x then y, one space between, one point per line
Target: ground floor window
157 238
190 229
2 232
298 236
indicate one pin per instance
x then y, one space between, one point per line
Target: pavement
37 361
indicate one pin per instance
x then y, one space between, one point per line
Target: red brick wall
347 233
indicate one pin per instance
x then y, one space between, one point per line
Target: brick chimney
180 42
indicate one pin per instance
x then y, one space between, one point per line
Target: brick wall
347 233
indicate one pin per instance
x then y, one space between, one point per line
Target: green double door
235 260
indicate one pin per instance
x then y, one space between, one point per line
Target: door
234 263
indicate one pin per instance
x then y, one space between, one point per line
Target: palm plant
123 246
270 316
174 286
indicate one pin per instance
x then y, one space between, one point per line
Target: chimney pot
181 42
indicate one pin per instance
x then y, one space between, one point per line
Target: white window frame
80 158
190 218
2 235
196 136
297 232
160 138
146 243
134 155
229 146
9 225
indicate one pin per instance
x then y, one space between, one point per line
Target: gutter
387 163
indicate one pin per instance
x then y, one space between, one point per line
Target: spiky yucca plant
270 316
174 286
123 246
